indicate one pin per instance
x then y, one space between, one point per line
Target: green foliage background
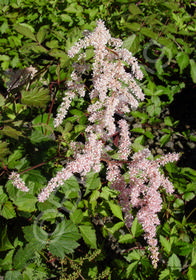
79 233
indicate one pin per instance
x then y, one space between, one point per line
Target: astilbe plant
112 90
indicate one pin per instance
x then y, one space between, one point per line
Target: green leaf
8 210
193 70
116 210
70 185
35 234
166 244
5 244
13 275
127 238
89 235
63 239
174 262
149 134
26 30
149 33
79 128
164 275
38 137
182 60
66 18
2 100
6 263
36 97
131 267
135 10
11 132
52 44
26 203
115 227
140 140
42 33
136 228
4 150
135 255
191 273
3 195
92 180
138 130
76 216
14 159
168 121
127 43
133 26
165 139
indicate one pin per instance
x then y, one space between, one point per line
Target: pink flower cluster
142 192
113 90
18 182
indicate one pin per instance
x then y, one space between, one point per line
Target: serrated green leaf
135 10
193 70
57 53
138 130
79 128
134 255
6 263
26 30
140 140
4 150
164 139
39 137
131 267
116 210
136 228
133 27
29 47
11 132
185 248
76 216
5 244
188 196
63 239
52 44
8 210
89 236
191 273
35 234
14 159
149 134
71 185
127 238
36 97
182 60
164 274
24 255
115 228
174 262
166 244
3 195
92 182
13 275
26 203
2 100
149 33
168 121
127 43
66 18
42 33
